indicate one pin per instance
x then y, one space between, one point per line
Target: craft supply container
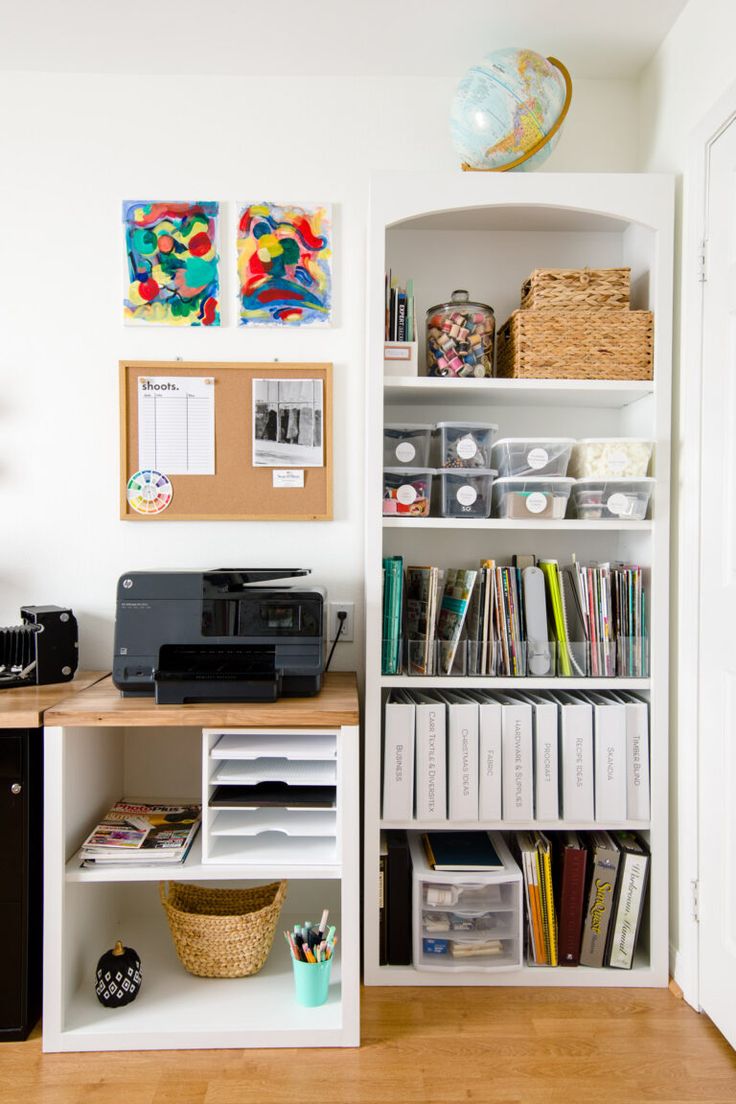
612 499
610 458
465 493
407 492
460 338
406 444
311 982
532 455
531 497
460 911
466 444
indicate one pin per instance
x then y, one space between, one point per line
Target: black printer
218 636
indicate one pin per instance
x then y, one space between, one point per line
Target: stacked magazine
141 834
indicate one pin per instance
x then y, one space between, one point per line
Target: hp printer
218 636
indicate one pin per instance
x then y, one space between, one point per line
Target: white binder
576 758
398 757
545 738
638 803
609 752
489 756
462 756
431 757
516 759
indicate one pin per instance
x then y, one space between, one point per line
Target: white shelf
516 825
175 1009
504 392
466 230
641 976
497 682
563 525
194 870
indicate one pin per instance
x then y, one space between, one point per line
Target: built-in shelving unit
486 233
100 747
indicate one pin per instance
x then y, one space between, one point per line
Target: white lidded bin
466 444
465 921
537 498
406 443
465 493
611 458
407 492
612 499
532 455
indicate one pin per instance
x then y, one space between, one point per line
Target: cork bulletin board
237 490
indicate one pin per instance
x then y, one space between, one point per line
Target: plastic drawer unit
466 921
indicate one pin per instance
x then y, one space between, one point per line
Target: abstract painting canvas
172 263
284 265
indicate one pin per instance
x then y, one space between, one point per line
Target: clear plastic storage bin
466 921
466 444
466 493
406 444
407 492
612 499
610 458
529 498
532 455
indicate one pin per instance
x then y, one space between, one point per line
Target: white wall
689 73
73 147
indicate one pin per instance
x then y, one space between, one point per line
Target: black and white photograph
287 423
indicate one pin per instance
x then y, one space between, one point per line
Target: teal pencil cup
312 982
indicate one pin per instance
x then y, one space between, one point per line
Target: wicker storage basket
577 288
584 344
222 932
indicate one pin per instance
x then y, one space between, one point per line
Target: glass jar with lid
460 338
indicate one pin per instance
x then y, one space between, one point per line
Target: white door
717 728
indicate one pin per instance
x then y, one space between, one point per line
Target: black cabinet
21 880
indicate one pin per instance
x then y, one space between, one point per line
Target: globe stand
546 138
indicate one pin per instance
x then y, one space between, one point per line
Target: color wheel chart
149 492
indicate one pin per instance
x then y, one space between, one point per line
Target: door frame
686 477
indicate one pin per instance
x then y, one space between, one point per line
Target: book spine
463 761
549 896
637 761
398 762
489 782
431 762
600 906
629 909
572 901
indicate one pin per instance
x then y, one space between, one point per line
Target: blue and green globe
504 106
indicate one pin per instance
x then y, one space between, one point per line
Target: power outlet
346 636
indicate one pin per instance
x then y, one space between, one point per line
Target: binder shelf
465 921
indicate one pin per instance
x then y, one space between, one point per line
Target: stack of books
584 896
400 322
142 834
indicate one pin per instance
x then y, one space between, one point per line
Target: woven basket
222 932
584 344
577 288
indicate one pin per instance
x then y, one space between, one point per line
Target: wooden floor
429 1046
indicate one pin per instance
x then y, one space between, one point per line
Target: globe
505 106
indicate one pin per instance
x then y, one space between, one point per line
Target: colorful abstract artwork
284 265
172 263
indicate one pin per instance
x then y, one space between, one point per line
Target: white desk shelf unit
101 747
487 233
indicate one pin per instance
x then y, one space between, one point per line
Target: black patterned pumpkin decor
118 976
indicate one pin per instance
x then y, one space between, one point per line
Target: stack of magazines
138 833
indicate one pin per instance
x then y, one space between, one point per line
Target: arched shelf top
522 216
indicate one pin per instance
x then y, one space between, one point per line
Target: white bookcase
487 233
99 748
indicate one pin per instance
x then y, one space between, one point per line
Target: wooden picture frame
237 491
